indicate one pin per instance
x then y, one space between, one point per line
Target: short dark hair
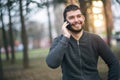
70 8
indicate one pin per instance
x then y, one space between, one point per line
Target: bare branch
118 1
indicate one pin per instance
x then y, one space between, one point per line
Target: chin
76 30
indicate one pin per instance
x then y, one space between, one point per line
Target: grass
38 69
32 53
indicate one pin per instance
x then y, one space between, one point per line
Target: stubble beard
75 31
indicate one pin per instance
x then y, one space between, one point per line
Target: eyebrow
75 15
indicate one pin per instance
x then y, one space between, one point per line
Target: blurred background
28 27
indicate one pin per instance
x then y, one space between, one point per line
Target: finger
65 24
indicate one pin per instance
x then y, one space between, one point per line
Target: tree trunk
83 7
11 35
1 67
109 21
24 38
49 23
4 38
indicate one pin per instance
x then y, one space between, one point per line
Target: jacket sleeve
57 52
110 59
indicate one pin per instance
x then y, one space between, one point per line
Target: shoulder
93 36
58 38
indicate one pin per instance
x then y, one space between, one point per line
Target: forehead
73 13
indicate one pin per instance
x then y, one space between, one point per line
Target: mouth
77 23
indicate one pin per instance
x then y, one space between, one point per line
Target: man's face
76 19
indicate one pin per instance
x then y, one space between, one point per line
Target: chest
81 51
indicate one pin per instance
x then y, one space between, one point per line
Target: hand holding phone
68 26
65 29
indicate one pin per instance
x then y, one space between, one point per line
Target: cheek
81 19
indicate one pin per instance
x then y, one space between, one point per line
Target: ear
83 17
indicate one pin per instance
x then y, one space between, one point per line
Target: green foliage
59 1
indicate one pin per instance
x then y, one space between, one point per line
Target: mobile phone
69 25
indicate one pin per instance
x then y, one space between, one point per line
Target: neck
77 36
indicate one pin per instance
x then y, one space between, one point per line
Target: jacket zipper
79 51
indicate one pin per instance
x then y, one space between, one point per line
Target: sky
116 14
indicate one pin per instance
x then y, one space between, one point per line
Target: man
77 51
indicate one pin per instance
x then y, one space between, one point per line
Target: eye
71 17
80 16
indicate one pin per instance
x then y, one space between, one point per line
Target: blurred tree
109 19
4 37
35 32
49 23
34 29
118 1
24 37
13 6
58 11
9 5
84 5
59 1
1 66
76 2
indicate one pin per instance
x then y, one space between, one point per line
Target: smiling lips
76 23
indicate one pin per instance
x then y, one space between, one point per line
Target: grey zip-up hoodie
78 59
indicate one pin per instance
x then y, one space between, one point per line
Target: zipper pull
77 42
